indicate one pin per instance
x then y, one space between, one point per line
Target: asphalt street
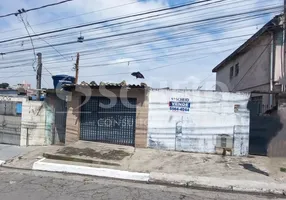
29 185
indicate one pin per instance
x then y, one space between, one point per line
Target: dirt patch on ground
88 152
70 158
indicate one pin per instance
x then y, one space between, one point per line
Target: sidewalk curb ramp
2 162
168 179
101 172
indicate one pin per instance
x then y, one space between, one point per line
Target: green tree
4 85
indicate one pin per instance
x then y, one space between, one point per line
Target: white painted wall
33 124
211 114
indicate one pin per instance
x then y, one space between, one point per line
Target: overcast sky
178 57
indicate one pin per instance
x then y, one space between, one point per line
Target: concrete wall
33 124
210 115
10 120
73 113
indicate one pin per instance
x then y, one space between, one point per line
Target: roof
93 84
267 27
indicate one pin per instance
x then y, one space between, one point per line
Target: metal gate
60 120
263 128
110 124
10 122
57 107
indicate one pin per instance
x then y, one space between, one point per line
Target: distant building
8 92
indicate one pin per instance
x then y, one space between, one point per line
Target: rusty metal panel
186 120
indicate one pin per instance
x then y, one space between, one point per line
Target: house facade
139 116
109 113
256 66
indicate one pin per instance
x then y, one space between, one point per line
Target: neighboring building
22 122
256 66
8 92
117 114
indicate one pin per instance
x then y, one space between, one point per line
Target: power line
185 44
22 20
132 32
119 18
48 22
153 40
48 43
156 10
164 66
259 14
136 20
134 44
32 9
225 22
112 47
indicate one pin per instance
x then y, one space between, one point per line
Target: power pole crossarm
76 68
39 76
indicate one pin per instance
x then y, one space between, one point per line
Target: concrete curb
2 162
219 183
101 172
246 186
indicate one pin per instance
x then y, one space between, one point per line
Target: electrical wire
22 20
150 12
151 69
33 9
191 43
129 33
60 19
273 10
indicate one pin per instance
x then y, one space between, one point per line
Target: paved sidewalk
253 173
10 152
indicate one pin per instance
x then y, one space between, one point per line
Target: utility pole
39 76
284 45
77 66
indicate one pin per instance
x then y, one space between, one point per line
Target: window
236 69
231 72
255 105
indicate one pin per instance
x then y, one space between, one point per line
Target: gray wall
10 121
254 75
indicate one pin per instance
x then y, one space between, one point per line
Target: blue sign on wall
19 108
180 104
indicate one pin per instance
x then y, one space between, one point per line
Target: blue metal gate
103 121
